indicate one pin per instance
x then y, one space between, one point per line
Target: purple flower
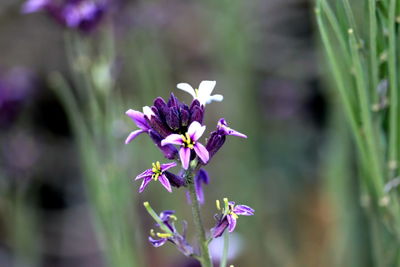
156 173
171 234
218 137
84 15
174 116
188 142
228 217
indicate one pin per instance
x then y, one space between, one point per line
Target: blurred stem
225 251
393 111
205 258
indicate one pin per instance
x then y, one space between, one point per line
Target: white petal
148 112
205 90
217 98
187 88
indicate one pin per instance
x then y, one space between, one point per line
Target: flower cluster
176 129
84 15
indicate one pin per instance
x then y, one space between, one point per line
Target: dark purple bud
159 126
175 180
169 151
161 106
173 101
196 115
219 229
215 142
185 116
195 103
172 119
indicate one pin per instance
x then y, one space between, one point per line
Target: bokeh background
295 169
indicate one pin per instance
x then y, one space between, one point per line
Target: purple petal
243 210
138 118
145 182
232 223
157 242
202 152
144 174
175 139
167 166
133 135
219 229
184 154
195 130
223 125
165 182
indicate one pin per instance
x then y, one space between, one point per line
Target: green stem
225 251
205 258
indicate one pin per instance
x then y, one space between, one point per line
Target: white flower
203 94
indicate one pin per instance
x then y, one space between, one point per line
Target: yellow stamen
146 204
196 92
173 217
164 235
217 204
158 165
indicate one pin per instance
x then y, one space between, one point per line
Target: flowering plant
173 125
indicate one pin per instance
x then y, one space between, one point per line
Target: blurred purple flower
84 15
228 217
156 173
188 142
16 86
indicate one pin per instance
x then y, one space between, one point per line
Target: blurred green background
296 169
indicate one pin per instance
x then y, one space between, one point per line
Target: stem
205 258
225 251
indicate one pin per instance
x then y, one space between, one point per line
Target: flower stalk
204 258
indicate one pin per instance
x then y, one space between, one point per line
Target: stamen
173 217
158 165
164 235
234 215
217 204
152 233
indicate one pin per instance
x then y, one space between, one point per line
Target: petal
167 166
205 90
157 242
217 98
144 174
201 177
138 118
184 154
195 130
145 182
133 135
202 152
223 126
175 139
165 182
187 88
148 112
243 210
232 223
219 229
